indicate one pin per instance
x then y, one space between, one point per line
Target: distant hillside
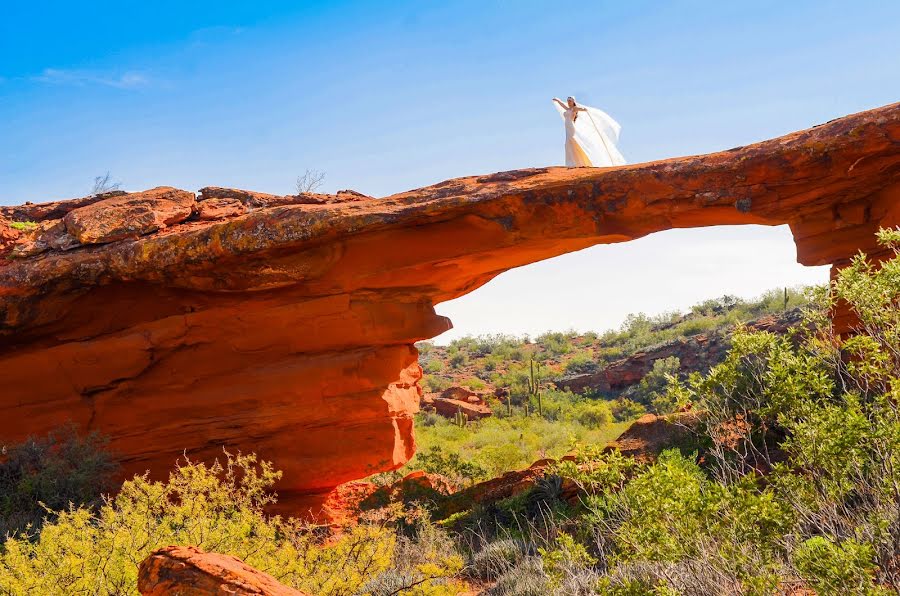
628 364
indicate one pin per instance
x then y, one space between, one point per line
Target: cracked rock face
285 325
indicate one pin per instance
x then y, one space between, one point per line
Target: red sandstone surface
285 325
188 571
456 400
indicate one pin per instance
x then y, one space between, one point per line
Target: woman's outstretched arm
561 104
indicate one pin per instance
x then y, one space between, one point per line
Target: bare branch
104 184
310 181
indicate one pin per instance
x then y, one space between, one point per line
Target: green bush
652 390
44 475
451 465
474 383
625 409
581 363
217 508
433 366
834 569
556 343
436 384
458 359
593 414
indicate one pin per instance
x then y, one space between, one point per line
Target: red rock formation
695 353
449 407
457 399
650 434
188 571
288 329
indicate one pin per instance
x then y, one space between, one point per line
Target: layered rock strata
175 322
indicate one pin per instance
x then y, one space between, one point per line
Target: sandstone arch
285 325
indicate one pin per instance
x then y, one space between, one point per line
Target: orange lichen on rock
285 325
188 571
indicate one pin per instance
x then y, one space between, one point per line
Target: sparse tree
104 184
310 181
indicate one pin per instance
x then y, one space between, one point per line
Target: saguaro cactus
461 419
534 386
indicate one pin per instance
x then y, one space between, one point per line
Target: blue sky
390 96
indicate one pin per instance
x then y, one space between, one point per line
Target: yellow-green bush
220 509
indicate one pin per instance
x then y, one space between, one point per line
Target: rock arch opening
596 288
173 321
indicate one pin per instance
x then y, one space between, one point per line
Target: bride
591 136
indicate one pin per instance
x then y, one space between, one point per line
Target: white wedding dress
591 138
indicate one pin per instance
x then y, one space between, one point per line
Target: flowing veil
597 134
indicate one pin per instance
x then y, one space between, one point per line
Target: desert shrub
580 363
458 359
593 413
389 582
624 409
697 325
451 465
104 184
527 578
44 475
474 384
606 354
555 343
429 419
218 508
566 559
433 366
716 306
436 384
671 509
545 495
652 390
495 559
595 469
423 563
818 414
834 568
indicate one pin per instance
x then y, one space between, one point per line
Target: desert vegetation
533 416
791 486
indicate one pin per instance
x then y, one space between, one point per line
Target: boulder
212 209
448 408
189 571
129 215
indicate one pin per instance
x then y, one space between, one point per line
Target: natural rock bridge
285 325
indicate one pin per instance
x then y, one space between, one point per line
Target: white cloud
125 80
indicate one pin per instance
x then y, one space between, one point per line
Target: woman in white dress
591 136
